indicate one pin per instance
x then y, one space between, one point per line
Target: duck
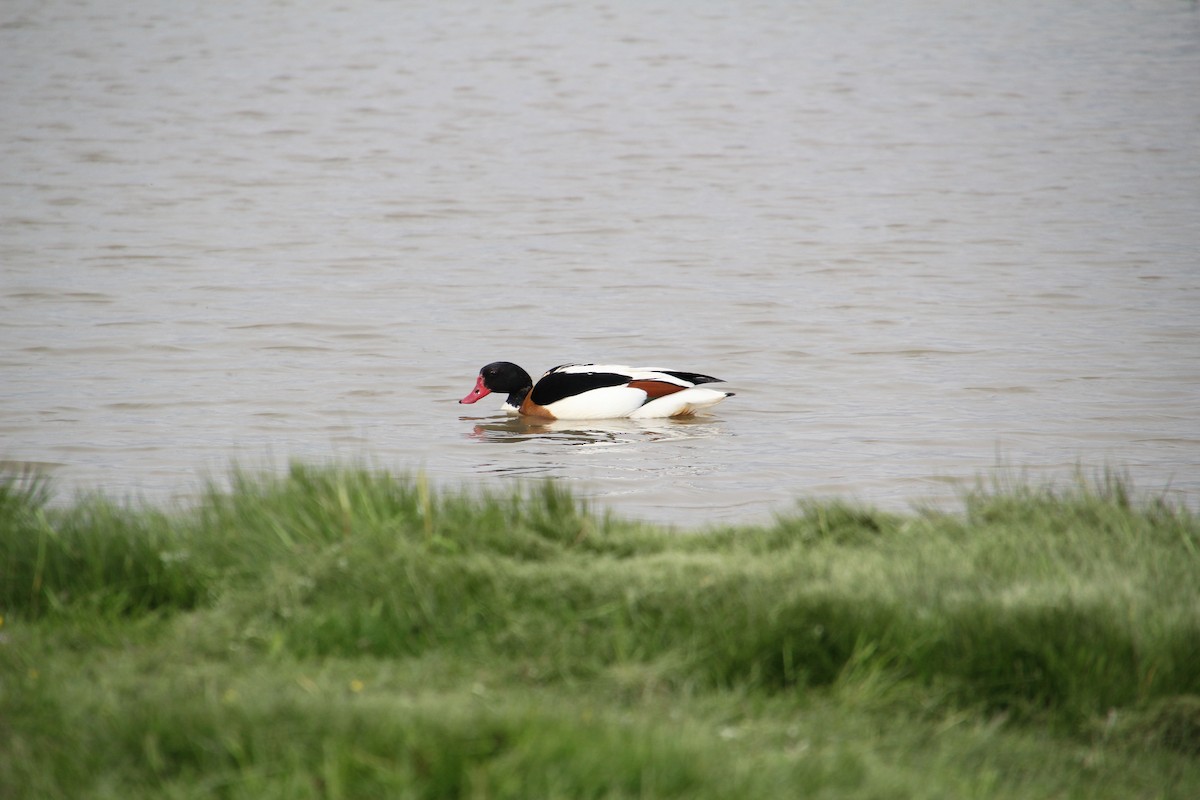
597 391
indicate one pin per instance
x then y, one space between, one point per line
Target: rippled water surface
919 239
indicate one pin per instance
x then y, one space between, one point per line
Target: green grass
342 633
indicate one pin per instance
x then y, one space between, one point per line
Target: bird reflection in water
508 430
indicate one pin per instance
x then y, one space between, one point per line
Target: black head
501 376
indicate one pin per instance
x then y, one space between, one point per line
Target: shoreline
344 632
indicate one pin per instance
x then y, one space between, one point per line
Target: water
921 240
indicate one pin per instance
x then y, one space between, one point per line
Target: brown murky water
920 240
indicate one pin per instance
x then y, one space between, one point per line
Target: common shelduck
597 391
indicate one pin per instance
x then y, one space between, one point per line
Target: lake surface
923 241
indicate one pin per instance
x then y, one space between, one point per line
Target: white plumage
597 391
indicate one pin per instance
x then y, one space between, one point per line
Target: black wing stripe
692 377
558 385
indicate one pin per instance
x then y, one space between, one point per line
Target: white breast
606 403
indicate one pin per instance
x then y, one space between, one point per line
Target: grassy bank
345 633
